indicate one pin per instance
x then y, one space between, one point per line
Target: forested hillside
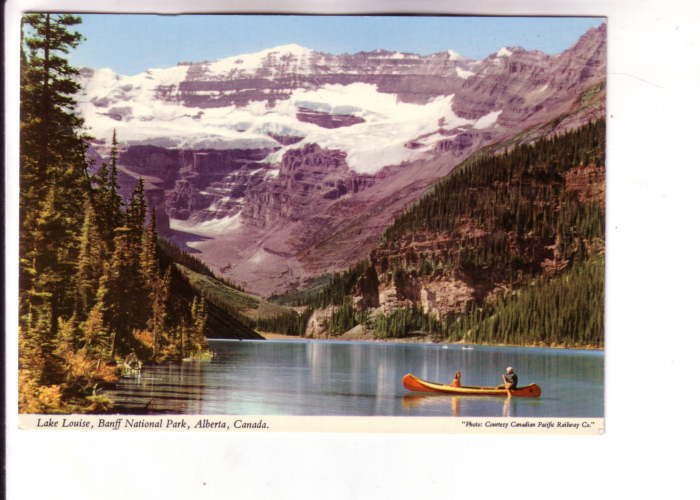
507 249
521 191
250 311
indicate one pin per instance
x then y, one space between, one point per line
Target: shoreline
417 340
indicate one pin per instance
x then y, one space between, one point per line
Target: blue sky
130 44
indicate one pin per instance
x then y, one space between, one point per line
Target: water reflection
455 406
326 378
506 407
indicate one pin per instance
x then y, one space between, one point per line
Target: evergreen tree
199 320
90 259
52 149
49 87
106 196
148 260
96 336
136 210
157 322
120 278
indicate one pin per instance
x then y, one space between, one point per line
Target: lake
314 377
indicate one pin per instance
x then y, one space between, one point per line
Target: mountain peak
504 52
454 56
252 61
290 48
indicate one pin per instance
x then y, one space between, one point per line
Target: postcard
272 223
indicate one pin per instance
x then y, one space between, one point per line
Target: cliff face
588 182
289 163
274 74
493 227
309 179
402 278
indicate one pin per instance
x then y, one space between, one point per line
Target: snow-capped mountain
286 163
278 95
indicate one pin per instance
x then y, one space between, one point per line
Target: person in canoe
510 380
457 381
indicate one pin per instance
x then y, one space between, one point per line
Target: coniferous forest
95 286
525 216
520 200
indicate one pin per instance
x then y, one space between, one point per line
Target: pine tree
52 162
114 199
136 210
199 321
67 339
49 85
118 283
159 312
126 300
52 150
90 260
148 259
106 196
51 266
96 335
33 341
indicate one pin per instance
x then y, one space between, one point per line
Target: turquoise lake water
364 379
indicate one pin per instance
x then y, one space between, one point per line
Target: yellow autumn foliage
35 398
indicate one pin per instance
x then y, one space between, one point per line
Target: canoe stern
530 391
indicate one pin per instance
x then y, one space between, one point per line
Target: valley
287 164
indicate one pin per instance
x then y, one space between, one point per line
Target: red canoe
413 383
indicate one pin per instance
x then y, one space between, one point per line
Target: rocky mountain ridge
289 163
